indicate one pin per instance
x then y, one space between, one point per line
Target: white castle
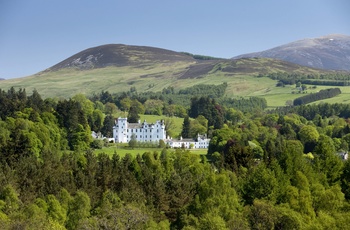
152 132
143 132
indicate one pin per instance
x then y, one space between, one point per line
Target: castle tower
120 130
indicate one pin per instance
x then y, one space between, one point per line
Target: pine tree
186 127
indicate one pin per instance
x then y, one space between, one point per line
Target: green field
123 150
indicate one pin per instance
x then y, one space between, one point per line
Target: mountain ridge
331 52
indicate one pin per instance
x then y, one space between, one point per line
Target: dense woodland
280 169
331 79
322 94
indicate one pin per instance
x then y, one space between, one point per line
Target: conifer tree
186 127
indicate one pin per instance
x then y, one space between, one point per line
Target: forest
265 169
330 79
322 94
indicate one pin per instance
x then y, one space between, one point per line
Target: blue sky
36 34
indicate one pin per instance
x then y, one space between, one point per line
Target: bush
97 144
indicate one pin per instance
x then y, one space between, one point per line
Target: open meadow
122 150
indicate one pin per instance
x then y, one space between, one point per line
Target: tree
234 115
133 141
161 144
85 104
154 107
209 109
133 116
125 104
308 135
186 127
262 215
169 110
198 126
71 116
79 209
107 128
237 155
55 210
169 127
138 106
11 202
96 122
110 108
327 161
260 183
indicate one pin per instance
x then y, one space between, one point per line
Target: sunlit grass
122 150
155 77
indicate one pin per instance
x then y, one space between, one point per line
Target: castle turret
120 130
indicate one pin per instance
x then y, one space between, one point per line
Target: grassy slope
239 75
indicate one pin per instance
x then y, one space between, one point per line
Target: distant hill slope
119 55
330 52
117 68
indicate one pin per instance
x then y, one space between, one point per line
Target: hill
117 68
120 55
330 52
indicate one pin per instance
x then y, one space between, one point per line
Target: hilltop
120 55
331 52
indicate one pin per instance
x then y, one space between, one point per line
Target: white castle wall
152 132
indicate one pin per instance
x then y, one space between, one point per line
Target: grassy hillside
240 75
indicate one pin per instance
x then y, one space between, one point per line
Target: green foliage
133 141
10 200
186 128
107 128
79 209
328 162
55 210
256 175
213 91
237 155
209 109
323 94
260 184
154 107
245 104
97 144
198 126
133 116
